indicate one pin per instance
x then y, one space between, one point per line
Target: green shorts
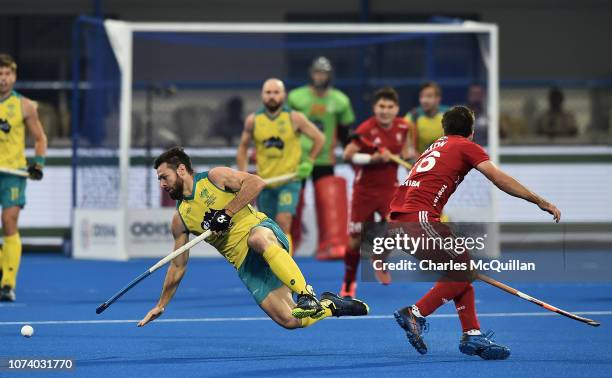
282 199
255 272
12 191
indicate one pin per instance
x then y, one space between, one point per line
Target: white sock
416 312
474 332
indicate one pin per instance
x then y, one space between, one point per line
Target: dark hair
174 157
386 93
7 61
458 120
431 84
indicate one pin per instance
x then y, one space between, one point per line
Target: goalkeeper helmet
321 65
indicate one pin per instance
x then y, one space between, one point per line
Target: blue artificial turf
53 288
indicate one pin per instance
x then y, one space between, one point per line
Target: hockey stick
14 172
533 300
398 160
282 178
152 269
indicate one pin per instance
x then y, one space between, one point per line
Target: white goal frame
120 34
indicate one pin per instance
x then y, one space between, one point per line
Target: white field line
262 318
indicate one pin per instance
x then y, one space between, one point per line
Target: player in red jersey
421 198
375 176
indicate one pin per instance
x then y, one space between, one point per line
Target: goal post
121 37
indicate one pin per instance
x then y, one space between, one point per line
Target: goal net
149 86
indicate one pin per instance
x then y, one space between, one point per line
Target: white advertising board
149 235
98 234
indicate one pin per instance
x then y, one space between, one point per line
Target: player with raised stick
219 201
275 129
420 200
16 114
370 151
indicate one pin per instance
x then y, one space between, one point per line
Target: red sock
442 292
466 309
351 262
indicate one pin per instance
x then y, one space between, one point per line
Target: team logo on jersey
398 136
318 110
208 198
5 126
377 141
10 110
281 127
274 142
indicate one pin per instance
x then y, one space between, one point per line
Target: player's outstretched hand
151 315
551 209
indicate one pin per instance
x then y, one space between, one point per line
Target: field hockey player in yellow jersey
219 200
426 122
426 119
276 131
16 114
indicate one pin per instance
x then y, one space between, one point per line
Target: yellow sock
307 322
284 268
291 251
11 256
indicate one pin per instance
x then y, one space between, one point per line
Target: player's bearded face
7 79
320 80
272 104
176 191
272 97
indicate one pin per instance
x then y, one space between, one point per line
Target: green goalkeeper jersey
326 113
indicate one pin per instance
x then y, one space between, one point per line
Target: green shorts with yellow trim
255 272
282 199
12 191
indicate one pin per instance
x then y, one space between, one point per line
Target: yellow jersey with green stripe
12 132
277 144
207 196
429 129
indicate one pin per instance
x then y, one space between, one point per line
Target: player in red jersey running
421 198
375 176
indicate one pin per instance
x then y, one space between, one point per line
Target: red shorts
364 204
435 237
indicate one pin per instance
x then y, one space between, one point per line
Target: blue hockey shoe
414 326
483 346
